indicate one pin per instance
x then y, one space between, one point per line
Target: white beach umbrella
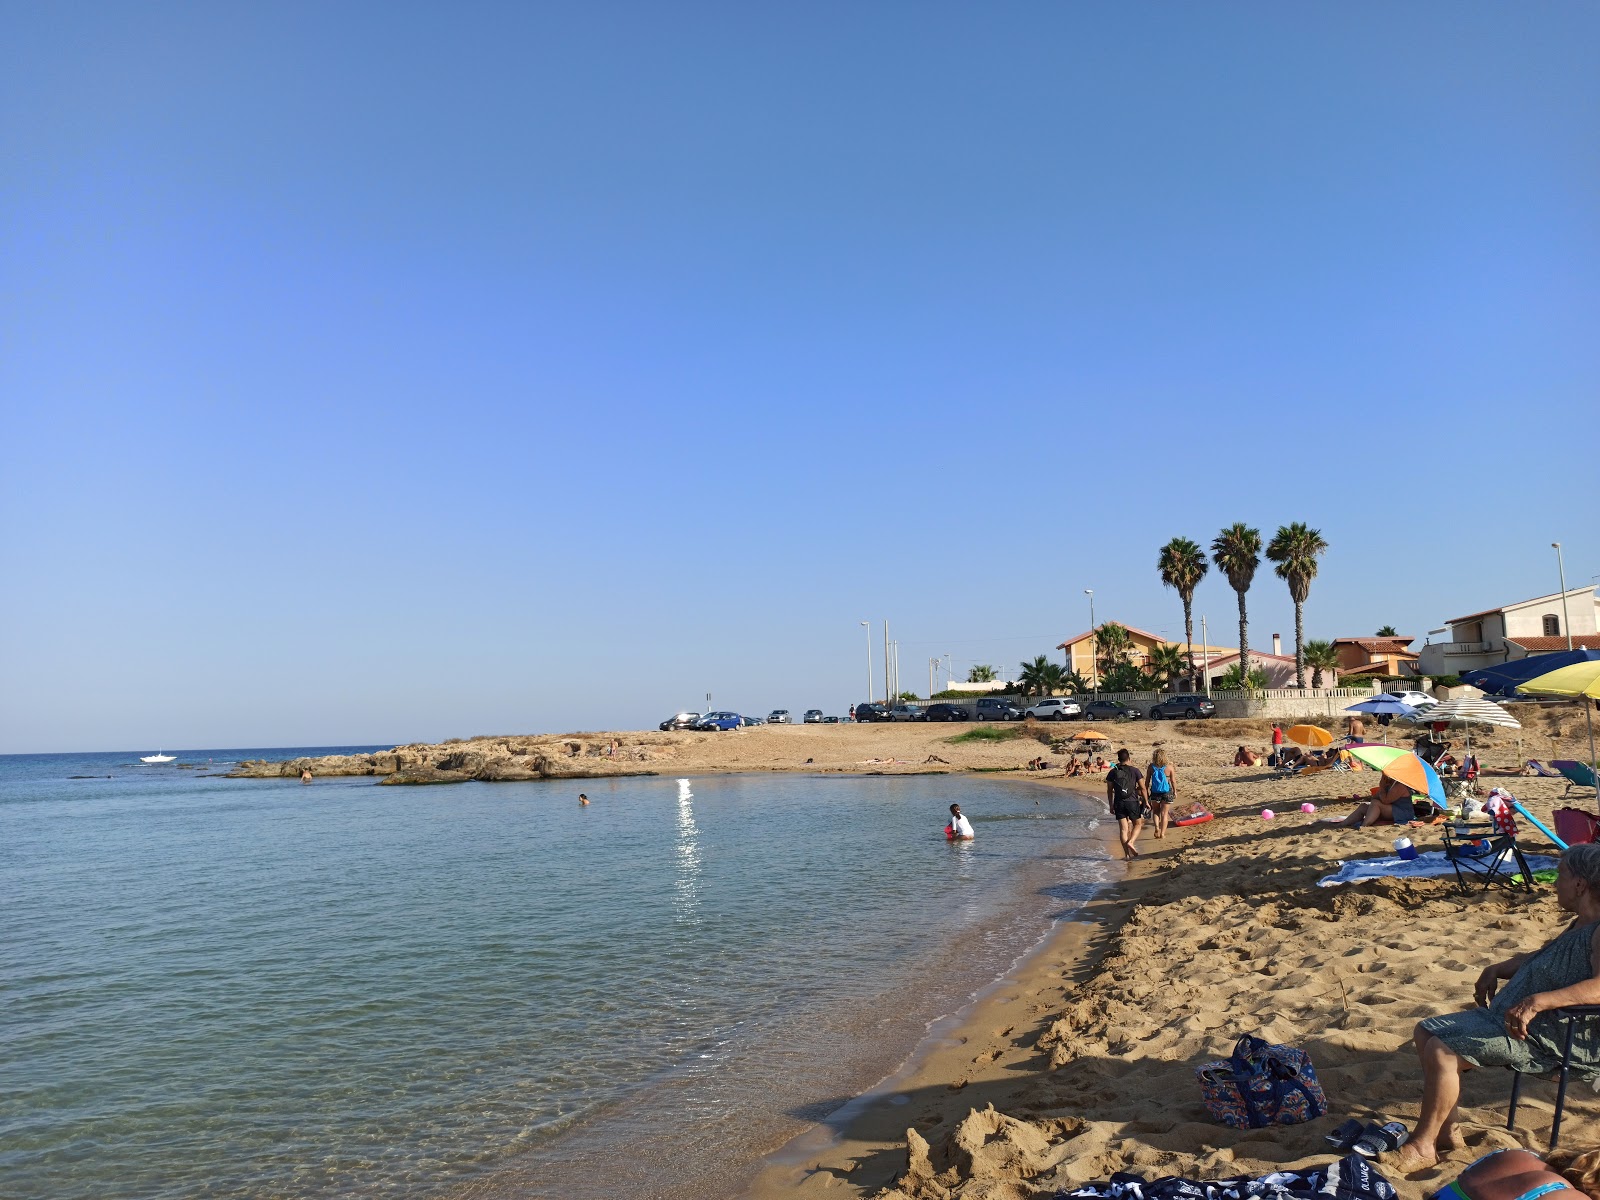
1469 713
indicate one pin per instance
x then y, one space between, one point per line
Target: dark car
872 712
947 712
1108 710
684 720
992 709
1189 708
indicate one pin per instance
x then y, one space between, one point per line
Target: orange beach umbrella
1090 735
1308 735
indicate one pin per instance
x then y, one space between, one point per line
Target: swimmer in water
583 800
960 827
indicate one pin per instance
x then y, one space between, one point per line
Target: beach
1080 1062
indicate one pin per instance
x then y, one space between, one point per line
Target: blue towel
1432 863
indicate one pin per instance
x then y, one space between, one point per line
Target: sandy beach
1083 1063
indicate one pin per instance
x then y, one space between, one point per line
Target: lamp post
867 625
1562 568
1205 654
1094 646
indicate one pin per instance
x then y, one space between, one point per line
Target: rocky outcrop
496 759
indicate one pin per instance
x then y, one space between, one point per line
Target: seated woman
1246 758
1508 1030
1390 805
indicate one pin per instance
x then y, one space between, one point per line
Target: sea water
262 988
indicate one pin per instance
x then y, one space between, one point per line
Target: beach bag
1262 1084
1575 827
1158 780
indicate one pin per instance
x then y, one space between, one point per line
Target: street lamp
867 625
1094 645
1562 568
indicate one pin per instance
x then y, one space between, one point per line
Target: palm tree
1237 553
1295 549
1387 631
1167 663
1114 645
982 673
1041 677
1320 657
1183 565
1074 684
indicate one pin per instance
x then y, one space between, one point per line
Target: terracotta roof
1390 645
1144 633
1254 654
1489 612
1543 645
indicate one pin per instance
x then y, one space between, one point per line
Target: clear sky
380 371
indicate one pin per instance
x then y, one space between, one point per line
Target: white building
1497 635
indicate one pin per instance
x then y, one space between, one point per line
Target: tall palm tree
1114 644
1295 549
1237 553
1074 684
982 673
1168 663
1041 677
1183 565
1320 657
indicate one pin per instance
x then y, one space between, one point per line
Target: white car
1415 699
1054 708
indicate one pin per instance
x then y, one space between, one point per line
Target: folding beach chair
1487 851
1544 772
1571 1017
1577 774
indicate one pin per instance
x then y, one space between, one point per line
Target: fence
1267 702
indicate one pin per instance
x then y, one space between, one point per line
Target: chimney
1277 645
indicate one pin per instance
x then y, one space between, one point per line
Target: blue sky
381 372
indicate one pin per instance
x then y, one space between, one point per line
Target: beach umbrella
1308 735
1403 767
1581 680
1469 713
1505 678
1090 735
1384 705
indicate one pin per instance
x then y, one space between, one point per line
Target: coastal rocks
492 760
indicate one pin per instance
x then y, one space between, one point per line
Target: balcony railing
1463 647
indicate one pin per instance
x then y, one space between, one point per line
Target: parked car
1413 698
684 720
831 720
1187 707
905 712
946 712
751 721
992 708
779 716
1054 708
720 720
872 712
813 716
1109 710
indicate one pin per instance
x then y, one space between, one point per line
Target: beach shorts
1160 797
1127 810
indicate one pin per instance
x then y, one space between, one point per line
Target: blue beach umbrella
1503 679
1384 706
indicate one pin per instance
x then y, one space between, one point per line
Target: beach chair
1544 772
1486 851
1577 774
1570 1016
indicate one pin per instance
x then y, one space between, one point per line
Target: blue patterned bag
1262 1084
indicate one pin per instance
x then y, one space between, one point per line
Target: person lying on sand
1507 1030
1246 758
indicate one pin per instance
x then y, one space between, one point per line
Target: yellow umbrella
1581 680
1090 735
1308 735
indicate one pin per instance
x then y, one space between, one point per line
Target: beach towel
1351 1178
1431 863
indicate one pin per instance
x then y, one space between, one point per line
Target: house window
1552 625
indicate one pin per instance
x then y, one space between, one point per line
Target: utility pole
1205 653
867 626
1094 645
888 680
933 666
1562 567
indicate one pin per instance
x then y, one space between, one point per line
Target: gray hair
1583 860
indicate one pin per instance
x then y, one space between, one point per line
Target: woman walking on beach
1160 786
1126 797
1508 1029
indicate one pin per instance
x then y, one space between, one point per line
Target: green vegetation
991 733
1237 553
982 673
1230 682
1168 664
1182 566
1113 647
1320 656
1295 548
1387 631
1041 677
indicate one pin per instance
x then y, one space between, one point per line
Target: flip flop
1380 1139
1345 1136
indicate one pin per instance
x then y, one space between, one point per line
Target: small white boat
157 758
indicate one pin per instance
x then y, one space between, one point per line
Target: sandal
1380 1139
1344 1137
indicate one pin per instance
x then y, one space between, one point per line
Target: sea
263 988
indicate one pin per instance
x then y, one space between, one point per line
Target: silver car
905 712
813 716
779 716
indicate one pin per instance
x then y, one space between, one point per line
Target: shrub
991 733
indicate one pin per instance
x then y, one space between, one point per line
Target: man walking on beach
1127 797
